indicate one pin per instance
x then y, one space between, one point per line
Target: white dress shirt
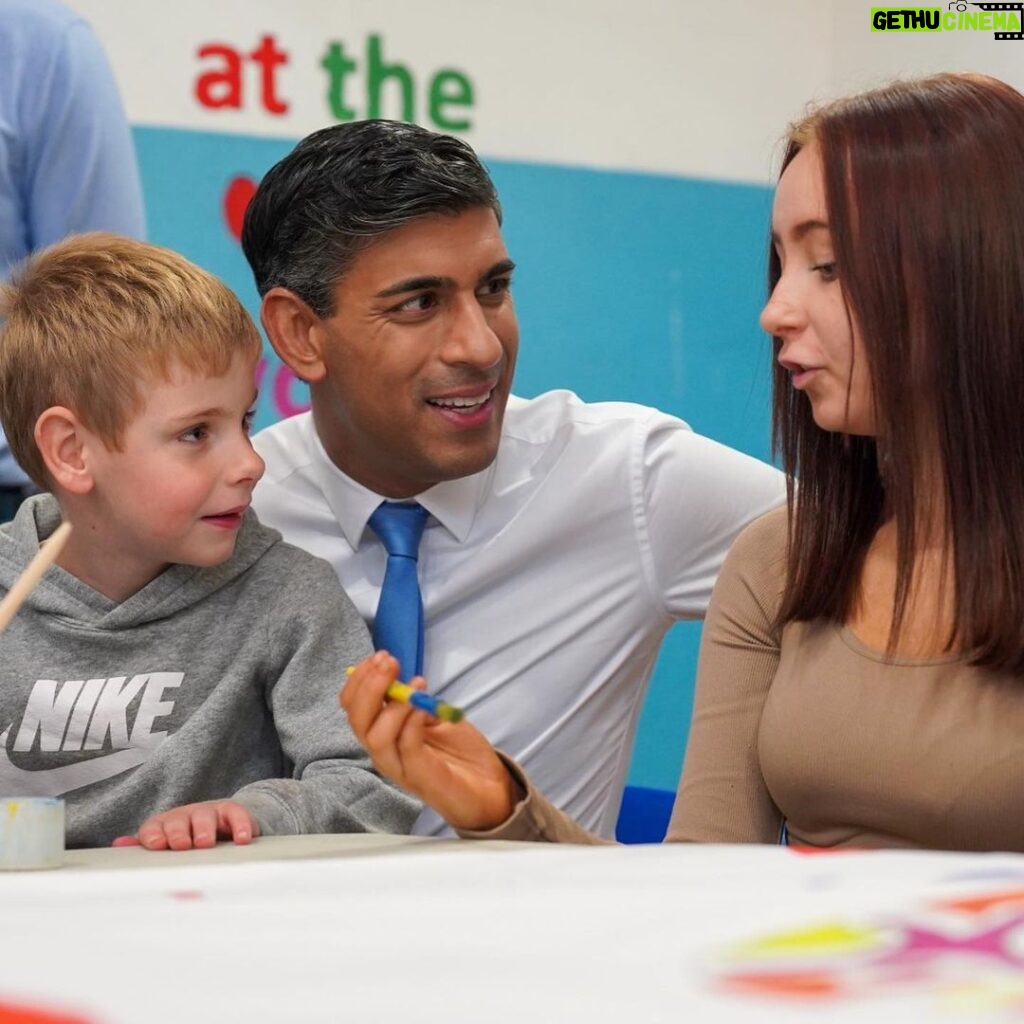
548 579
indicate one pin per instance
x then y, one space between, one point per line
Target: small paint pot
31 833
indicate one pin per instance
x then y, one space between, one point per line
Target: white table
385 928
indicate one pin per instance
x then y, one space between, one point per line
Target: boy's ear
62 440
296 333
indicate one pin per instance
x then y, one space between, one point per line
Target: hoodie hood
63 595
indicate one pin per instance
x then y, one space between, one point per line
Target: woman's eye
826 270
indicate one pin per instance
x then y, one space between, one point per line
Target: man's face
419 355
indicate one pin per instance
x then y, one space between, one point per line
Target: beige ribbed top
812 727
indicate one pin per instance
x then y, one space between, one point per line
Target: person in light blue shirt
67 163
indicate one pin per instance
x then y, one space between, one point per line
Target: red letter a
222 88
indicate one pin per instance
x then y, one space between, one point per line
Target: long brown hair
924 184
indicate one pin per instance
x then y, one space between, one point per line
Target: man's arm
314 633
697 496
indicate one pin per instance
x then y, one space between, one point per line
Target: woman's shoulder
753 576
764 541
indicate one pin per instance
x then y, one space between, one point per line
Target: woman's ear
62 440
296 333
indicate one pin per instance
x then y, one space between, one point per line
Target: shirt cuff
521 825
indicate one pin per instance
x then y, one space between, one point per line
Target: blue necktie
398 626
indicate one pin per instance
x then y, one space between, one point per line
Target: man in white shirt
564 538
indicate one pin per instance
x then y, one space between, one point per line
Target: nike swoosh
15 781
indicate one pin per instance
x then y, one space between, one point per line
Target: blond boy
174 676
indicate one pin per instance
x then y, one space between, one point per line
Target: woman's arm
722 797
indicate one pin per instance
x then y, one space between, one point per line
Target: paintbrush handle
418 699
26 582
425 702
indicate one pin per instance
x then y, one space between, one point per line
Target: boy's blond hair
85 323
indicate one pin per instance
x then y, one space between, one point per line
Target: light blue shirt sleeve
81 172
67 163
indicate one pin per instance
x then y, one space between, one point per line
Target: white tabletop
387 928
275 848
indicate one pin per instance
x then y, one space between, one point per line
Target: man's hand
452 768
195 826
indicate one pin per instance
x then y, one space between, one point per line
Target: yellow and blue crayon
421 701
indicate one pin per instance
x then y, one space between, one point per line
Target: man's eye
826 270
496 287
418 304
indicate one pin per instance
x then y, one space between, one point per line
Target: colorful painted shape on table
963 952
21 1013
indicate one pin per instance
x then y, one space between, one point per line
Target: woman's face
820 347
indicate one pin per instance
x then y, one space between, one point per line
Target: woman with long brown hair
861 675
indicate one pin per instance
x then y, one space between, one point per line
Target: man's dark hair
344 186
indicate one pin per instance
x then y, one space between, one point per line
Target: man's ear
296 333
62 443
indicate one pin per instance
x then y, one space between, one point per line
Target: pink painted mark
284 381
923 945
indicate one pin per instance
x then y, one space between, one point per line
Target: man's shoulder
553 413
285 446
290 495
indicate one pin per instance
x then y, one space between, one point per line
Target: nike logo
68 777
82 715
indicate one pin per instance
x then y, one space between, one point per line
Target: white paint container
31 833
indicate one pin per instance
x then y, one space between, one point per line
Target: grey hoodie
209 683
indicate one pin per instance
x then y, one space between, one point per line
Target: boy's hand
452 768
195 826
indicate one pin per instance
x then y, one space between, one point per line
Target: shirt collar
453 503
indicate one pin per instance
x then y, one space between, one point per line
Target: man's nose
470 337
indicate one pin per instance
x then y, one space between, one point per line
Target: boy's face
177 489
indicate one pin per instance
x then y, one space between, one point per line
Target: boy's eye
194 434
247 420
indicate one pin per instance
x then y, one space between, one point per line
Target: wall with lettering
633 146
